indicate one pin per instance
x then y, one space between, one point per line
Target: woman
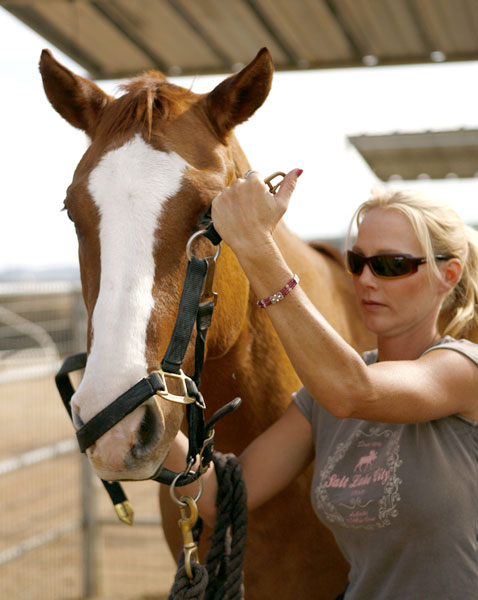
394 433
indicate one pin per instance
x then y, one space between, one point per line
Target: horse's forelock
145 96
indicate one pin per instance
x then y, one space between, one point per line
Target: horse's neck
254 366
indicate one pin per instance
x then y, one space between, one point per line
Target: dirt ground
132 563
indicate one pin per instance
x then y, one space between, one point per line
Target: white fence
58 538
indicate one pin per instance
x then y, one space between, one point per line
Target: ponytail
459 313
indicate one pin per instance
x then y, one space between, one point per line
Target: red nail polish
299 172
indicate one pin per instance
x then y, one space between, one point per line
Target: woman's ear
451 270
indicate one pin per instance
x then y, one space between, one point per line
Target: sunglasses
386 265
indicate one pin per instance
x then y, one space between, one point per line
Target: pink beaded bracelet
278 296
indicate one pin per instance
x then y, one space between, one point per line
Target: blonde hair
440 231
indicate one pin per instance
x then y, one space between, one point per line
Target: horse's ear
235 99
76 99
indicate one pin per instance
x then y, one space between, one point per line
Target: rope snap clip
186 524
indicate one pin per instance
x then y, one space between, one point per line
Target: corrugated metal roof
119 38
429 154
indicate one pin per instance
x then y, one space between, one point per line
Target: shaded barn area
120 38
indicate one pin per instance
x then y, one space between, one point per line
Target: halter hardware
192 239
185 398
186 524
125 512
268 181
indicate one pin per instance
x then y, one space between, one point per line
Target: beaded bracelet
278 296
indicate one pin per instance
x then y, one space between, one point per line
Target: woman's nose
367 276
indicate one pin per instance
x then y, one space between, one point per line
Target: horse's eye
68 214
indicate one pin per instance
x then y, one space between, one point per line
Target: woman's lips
371 304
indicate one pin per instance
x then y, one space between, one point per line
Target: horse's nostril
75 415
147 433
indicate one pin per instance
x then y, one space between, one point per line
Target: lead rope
222 577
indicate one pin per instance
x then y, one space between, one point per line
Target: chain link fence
59 539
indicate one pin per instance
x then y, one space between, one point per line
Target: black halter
196 306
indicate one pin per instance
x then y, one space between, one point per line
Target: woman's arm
436 385
270 463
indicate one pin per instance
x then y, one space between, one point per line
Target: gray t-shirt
401 500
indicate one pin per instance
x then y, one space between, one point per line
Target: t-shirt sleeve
465 347
305 402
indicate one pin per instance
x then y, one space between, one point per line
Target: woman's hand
246 214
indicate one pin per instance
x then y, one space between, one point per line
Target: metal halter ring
175 499
189 251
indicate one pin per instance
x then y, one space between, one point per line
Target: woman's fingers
287 187
248 210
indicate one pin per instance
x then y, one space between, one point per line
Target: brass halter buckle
167 395
268 181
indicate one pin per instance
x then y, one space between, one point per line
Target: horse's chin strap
196 306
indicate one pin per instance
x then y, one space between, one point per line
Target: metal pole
89 530
79 324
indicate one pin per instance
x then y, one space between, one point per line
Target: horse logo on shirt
366 461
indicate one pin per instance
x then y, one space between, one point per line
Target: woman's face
393 307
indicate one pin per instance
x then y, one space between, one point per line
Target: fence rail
59 540
33 457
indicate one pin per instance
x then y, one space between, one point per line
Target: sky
304 123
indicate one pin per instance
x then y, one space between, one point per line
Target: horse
158 155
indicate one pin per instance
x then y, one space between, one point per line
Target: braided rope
222 577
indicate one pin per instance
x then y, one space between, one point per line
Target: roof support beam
293 58
125 30
189 19
31 18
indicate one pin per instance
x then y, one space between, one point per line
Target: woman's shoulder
463 346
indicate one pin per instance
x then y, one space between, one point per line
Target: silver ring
172 491
198 233
247 173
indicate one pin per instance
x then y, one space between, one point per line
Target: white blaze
129 186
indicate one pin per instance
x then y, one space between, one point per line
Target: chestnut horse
158 156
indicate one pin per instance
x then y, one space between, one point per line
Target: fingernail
299 172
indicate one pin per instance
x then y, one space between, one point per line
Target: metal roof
429 154
120 38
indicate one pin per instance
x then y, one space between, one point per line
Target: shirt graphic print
359 486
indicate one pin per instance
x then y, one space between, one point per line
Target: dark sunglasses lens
390 266
355 262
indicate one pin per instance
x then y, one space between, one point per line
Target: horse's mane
147 94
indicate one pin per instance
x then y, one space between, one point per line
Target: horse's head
158 156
